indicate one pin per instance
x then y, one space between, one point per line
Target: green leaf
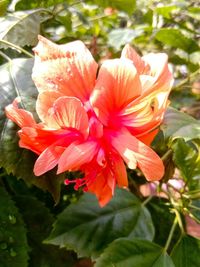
3 6
166 11
119 37
16 81
159 208
39 222
88 229
31 4
175 38
124 5
177 124
186 252
187 158
22 28
134 253
13 242
194 12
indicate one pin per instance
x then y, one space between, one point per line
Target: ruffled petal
101 189
76 155
69 69
38 139
159 70
139 63
20 116
68 112
117 85
147 160
44 104
50 156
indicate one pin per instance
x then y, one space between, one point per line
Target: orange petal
101 189
38 139
20 116
48 159
160 71
117 84
68 112
75 155
148 137
50 156
119 171
44 104
147 160
139 63
69 69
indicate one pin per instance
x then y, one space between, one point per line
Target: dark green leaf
88 229
175 38
186 252
119 37
22 28
159 208
39 222
16 81
177 124
195 207
187 159
13 243
134 253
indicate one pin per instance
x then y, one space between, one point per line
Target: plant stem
177 87
5 56
194 207
180 223
167 154
171 234
194 217
18 48
147 200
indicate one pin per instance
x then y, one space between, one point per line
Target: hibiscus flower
95 121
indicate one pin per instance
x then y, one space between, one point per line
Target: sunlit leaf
175 38
16 81
22 28
88 229
125 5
119 37
166 11
177 124
3 6
30 4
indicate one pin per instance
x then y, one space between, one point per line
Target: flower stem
147 200
167 154
5 56
16 47
171 234
181 83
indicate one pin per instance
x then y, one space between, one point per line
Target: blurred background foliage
170 26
